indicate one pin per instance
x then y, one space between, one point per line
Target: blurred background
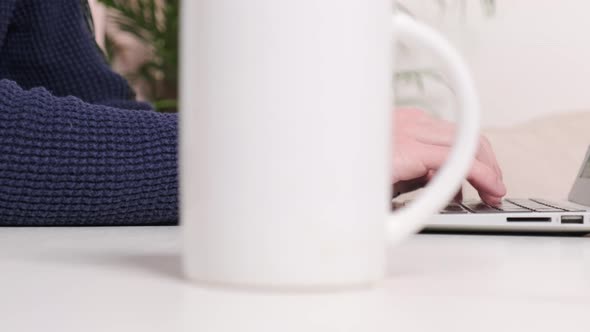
528 59
140 40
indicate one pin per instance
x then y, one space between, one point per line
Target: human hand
421 146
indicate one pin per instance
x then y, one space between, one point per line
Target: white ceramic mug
286 129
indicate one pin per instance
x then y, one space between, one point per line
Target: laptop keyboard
509 205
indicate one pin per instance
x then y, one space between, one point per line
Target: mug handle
448 179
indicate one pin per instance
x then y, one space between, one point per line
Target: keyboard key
453 208
479 207
506 206
564 207
534 206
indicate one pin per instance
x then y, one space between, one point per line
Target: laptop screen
580 192
586 170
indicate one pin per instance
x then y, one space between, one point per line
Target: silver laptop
523 214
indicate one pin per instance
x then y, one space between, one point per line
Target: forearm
66 162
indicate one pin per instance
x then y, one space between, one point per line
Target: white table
129 279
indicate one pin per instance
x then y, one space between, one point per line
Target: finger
442 133
482 177
430 175
415 113
405 186
489 186
458 197
490 200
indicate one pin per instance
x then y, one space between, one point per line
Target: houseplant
155 24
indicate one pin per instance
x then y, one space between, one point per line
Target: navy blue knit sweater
75 148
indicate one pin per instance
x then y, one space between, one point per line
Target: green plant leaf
157 27
165 104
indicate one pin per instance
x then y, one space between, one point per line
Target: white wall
530 59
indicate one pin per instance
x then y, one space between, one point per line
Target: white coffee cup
286 130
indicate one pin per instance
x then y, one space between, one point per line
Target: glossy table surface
130 279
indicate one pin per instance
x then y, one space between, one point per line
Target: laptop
536 215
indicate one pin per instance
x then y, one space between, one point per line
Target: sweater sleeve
67 162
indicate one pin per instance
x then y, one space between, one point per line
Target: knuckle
484 141
410 113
